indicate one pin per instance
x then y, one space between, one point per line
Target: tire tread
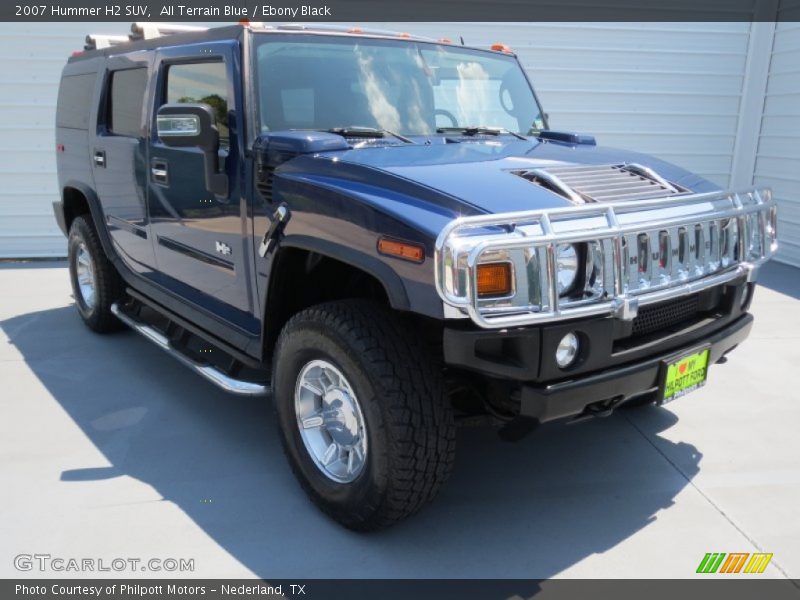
420 422
110 286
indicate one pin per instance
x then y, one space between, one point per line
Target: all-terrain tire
408 421
107 285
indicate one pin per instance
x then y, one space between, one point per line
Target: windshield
405 87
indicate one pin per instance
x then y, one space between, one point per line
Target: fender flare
392 282
96 210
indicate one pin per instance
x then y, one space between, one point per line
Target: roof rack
147 31
139 31
95 41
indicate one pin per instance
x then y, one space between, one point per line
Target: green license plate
685 374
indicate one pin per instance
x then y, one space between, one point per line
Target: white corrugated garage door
32 56
778 157
669 89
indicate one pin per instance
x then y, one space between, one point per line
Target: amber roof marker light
502 48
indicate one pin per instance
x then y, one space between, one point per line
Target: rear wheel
363 417
96 285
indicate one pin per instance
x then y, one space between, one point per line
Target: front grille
665 315
652 251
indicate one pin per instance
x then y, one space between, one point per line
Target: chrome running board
212 374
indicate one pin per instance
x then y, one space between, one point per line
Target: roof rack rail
97 41
139 31
142 30
147 31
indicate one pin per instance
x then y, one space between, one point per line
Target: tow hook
604 408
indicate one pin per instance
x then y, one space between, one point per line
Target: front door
200 240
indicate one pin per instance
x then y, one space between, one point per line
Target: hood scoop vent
602 183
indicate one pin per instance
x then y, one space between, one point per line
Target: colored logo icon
734 562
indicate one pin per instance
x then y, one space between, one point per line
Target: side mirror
192 125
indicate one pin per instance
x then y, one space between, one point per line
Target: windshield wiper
480 129
368 132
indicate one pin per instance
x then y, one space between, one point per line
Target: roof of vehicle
137 41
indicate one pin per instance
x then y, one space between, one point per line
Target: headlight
566 267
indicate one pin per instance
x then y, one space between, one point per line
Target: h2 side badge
224 249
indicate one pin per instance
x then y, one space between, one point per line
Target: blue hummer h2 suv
382 233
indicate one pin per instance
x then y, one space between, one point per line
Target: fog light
567 350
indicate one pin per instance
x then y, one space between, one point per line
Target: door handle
159 171
99 158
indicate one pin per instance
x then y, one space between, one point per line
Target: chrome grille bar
646 251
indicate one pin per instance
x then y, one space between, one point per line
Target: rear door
200 239
118 156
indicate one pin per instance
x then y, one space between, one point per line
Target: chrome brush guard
635 253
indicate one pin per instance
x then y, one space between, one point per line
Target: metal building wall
675 90
777 161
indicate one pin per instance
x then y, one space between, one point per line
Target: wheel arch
77 199
358 276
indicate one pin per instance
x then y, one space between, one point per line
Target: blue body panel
478 173
347 199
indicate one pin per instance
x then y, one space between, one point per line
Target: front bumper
614 364
571 397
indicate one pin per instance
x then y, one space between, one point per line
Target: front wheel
363 417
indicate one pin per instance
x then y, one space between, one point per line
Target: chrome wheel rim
330 421
84 270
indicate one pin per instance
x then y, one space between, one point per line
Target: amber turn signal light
494 279
404 250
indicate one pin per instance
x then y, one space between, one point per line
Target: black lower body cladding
617 360
571 397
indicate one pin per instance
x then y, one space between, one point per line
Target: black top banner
399 10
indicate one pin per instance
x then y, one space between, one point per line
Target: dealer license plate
684 375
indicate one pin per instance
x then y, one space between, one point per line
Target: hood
485 174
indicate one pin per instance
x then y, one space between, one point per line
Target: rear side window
75 101
125 101
202 82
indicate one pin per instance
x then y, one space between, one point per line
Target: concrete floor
109 449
